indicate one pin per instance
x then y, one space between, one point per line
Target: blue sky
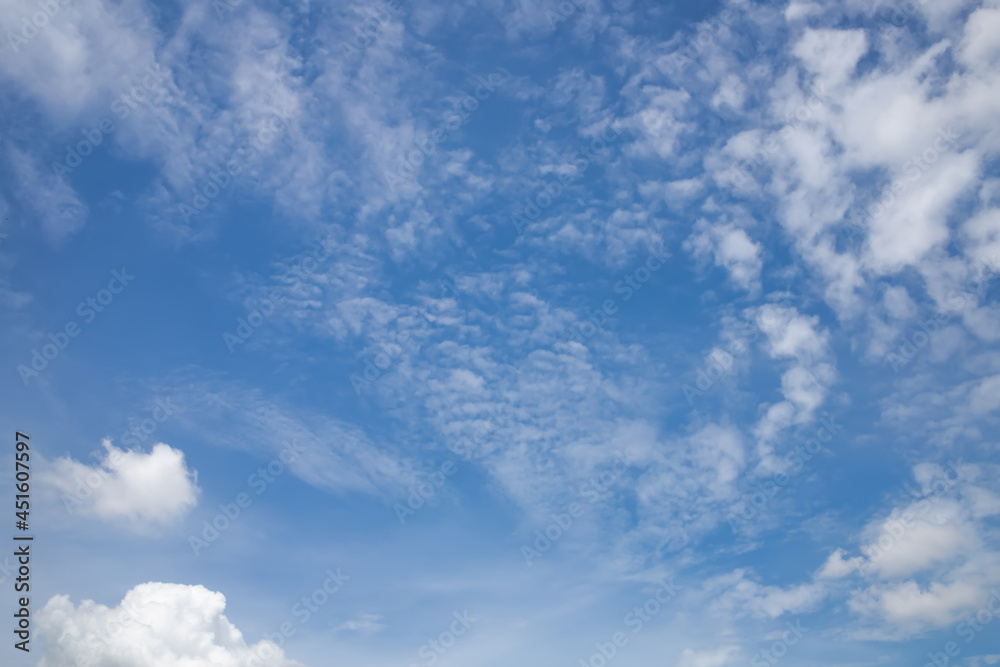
538 333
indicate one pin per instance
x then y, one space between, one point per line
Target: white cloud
660 122
703 467
804 385
145 490
836 566
942 537
917 221
729 247
840 126
831 54
337 456
365 624
985 395
982 232
83 56
929 561
798 10
59 210
979 46
156 625
941 15
717 657
913 607
790 334
919 538
737 594
732 92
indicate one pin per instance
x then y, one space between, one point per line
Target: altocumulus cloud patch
820 344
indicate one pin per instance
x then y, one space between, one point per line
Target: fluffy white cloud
979 46
918 537
831 54
156 625
913 608
82 56
791 335
732 92
661 121
143 489
836 566
729 247
940 537
917 221
983 234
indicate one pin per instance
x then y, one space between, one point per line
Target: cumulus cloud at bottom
156 625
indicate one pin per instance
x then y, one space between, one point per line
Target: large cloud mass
156 625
